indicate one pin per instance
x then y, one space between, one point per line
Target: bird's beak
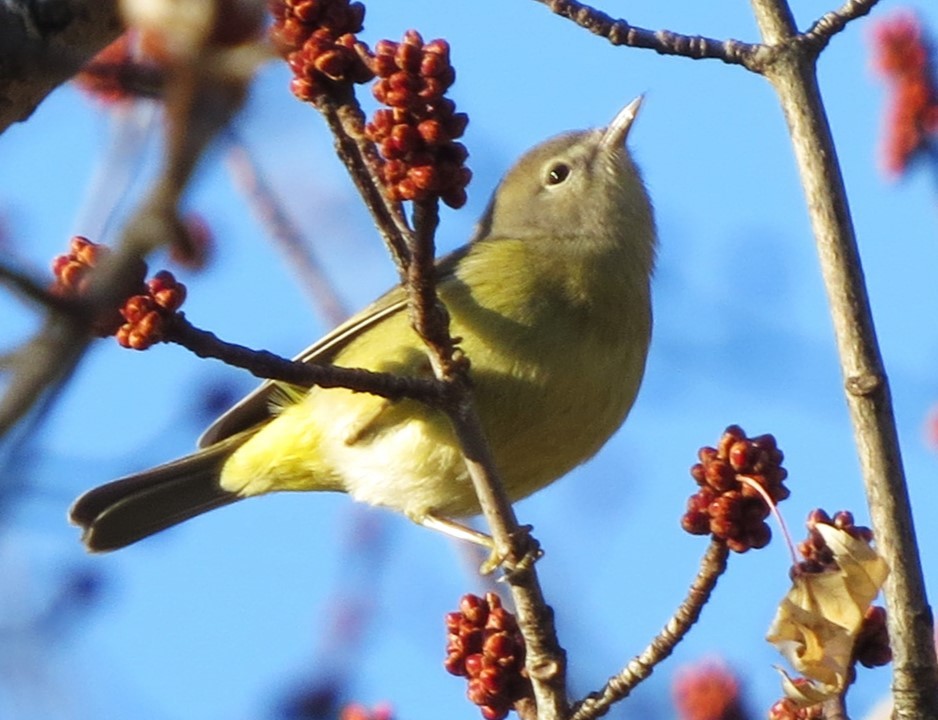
614 135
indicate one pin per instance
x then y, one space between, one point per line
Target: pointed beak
618 130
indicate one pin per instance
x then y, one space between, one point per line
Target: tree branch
31 288
263 201
269 366
829 24
51 355
345 120
915 678
545 660
664 42
712 566
44 44
413 252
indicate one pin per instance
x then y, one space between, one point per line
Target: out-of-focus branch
915 669
302 260
29 287
205 87
39 366
44 44
712 566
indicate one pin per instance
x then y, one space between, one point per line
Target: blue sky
221 617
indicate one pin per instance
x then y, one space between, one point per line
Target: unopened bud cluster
72 275
485 646
146 314
417 135
140 321
727 505
818 557
317 38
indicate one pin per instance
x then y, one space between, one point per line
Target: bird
551 301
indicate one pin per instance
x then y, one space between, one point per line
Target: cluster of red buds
146 314
317 38
485 646
140 322
727 505
903 56
818 557
417 136
72 273
708 691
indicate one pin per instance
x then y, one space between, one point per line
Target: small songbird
551 301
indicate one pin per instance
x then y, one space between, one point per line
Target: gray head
577 186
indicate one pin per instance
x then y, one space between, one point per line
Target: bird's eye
558 173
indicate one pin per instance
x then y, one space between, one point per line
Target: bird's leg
495 559
466 533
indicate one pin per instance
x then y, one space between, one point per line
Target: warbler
551 301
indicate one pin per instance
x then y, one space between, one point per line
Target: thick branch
664 42
915 679
39 367
44 44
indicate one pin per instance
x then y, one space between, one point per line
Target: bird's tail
129 509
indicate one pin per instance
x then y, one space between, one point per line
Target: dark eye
557 173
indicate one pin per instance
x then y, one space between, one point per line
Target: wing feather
255 407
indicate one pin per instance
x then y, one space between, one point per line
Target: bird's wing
255 407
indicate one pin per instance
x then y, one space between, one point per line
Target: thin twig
915 668
345 120
430 317
664 42
198 105
269 366
829 24
712 566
